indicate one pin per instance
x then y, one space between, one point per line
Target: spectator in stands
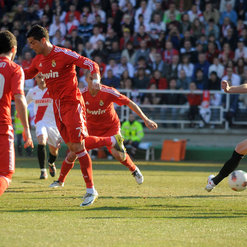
240 66
156 26
88 49
212 52
217 67
129 53
169 52
32 14
183 80
195 14
143 51
229 12
111 36
186 65
72 12
171 70
97 11
194 102
170 99
214 82
146 12
115 52
20 14
141 63
185 23
140 81
212 29
100 50
127 22
211 14
158 80
197 29
111 80
48 12
125 65
241 51
86 11
158 63
57 25
226 54
230 38
202 64
172 11
75 39
117 16
126 38
96 36
174 36
201 80
85 29
141 35
72 23
112 65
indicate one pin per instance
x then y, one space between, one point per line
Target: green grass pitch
171 208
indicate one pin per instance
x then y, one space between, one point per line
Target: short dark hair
38 32
7 41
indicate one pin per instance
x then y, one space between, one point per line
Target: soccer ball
237 180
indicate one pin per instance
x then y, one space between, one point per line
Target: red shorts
70 120
7 154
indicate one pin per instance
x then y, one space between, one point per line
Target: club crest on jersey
87 103
40 65
53 63
101 103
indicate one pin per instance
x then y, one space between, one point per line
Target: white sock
43 170
91 190
113 141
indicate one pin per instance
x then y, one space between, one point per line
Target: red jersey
11 83
100 113
58 69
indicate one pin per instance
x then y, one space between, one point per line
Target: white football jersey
43 105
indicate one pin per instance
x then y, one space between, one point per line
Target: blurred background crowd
142 44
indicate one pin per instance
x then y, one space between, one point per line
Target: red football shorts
7 154
70 120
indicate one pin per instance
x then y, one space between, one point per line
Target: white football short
50 133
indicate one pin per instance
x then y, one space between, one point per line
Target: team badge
40 65
87 103
101 103
53 63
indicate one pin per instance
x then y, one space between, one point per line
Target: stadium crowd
142 44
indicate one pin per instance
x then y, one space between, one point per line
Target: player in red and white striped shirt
11 87
45 124
57 65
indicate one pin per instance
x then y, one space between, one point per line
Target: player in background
45 125
11 87
240 150
102 120
58 66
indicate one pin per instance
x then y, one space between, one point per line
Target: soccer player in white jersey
46 129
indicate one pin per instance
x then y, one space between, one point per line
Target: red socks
3 185
92 142
86 167
65 168
129 163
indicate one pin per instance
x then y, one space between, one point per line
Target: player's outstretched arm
21 107
148 122
233 89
